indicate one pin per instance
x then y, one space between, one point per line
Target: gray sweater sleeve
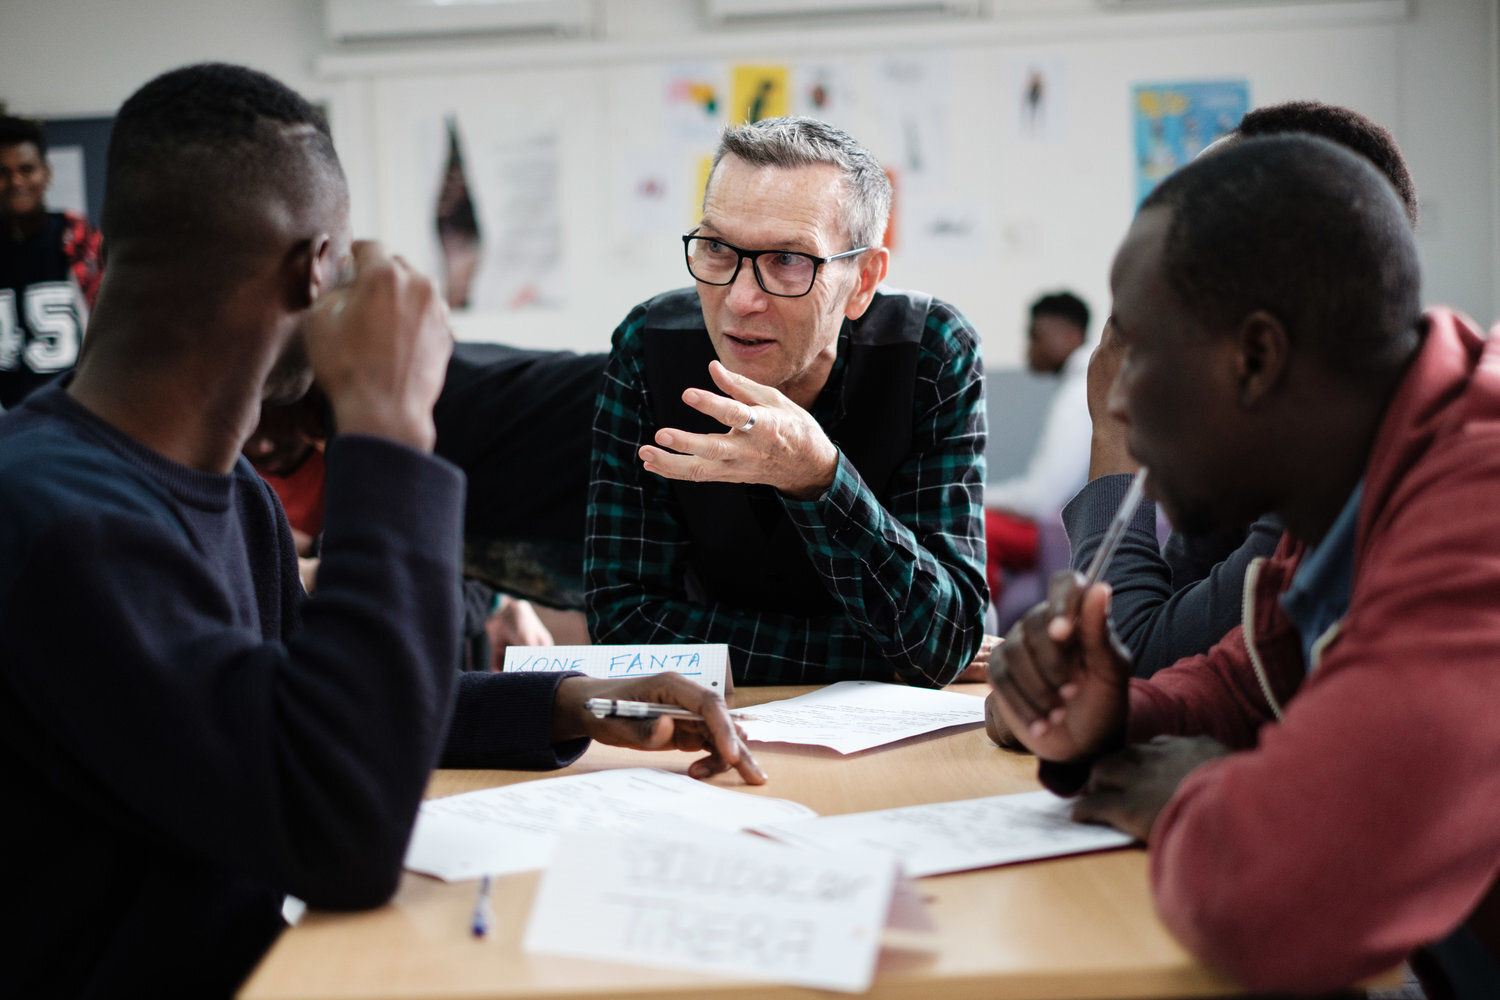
1159 618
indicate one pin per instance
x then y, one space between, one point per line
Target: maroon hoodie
1362 818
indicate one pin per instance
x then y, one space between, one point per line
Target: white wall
1051 214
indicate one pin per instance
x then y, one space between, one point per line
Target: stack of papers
856 715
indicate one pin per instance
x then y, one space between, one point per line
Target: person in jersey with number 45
788 456
49 268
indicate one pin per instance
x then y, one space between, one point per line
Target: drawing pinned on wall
822 90
459 242
913 93
1037 99
694 105
514 181
943 229
650 186
759 91
1174 122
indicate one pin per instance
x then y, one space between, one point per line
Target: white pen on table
480 925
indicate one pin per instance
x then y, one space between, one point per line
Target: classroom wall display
1016 161
1174 122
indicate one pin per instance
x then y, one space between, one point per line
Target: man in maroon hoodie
1320 792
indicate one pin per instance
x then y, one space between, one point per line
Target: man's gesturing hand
717 733
1060 677
379 349
772 440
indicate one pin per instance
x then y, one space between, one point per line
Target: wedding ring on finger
749 421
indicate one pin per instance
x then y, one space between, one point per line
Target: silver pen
614 708
1116 530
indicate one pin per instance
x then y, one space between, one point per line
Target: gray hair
798 141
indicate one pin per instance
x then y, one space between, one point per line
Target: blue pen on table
481 922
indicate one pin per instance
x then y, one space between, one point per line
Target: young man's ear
313 270
1263 356
873 264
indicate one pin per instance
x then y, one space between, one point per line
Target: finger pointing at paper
716 732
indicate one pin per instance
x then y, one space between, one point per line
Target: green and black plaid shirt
907 568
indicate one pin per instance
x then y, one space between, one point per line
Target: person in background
1059 464
788 458
1320 790
1176 600
287 450
49 268
189 736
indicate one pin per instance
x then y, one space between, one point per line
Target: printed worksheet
856 715
957 836
514 828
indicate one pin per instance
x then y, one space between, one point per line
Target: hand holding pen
1060 678
656 712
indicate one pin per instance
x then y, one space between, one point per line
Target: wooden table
1080 927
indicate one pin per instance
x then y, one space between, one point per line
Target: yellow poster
695 210
758 92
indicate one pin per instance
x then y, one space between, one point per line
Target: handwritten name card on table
722 903
706 663
957 836
850 716
514 828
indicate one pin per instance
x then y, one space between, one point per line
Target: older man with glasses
788 458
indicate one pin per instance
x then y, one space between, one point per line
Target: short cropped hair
15 131
1306 230
1347 128
797 141
194 147
1064 305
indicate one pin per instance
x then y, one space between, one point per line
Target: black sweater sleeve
298 763
1161 619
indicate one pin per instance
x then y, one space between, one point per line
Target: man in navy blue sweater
186 737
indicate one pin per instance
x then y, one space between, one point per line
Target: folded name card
723 903
706 662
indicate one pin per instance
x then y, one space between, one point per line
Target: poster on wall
913 93
759 91
1175 121
1037 99
694 102
824 90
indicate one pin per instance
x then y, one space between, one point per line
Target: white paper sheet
707 663
855 715
721 903
957 836
514 828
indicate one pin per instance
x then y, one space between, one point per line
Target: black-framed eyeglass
788 274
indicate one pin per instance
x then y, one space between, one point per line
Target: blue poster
1174 121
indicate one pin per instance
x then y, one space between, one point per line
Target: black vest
746 551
